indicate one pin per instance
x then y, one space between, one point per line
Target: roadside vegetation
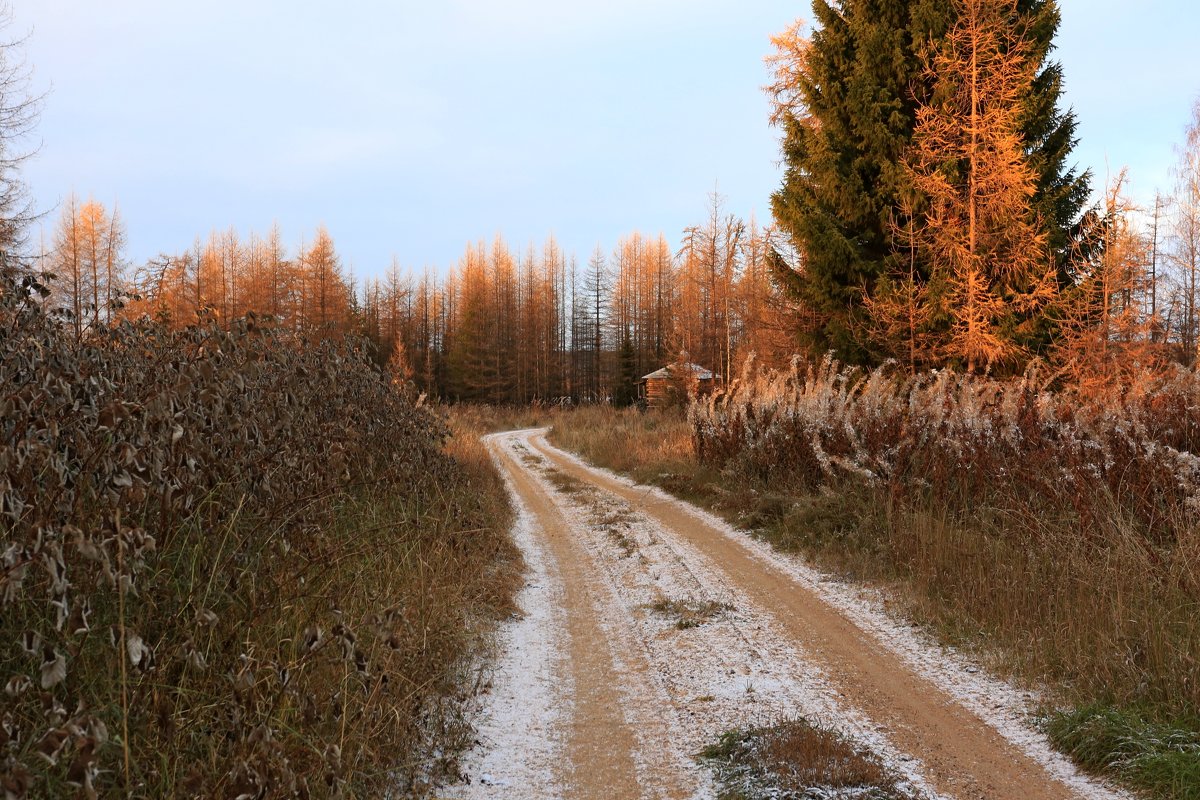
1134 746
1055 532
232 565
651 447
481 419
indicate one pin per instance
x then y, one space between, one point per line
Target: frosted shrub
948 436
1062 526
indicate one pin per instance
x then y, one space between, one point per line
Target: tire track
619 735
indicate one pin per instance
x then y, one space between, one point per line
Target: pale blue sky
411 128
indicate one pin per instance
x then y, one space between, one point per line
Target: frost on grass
1162 758
689 612
799 760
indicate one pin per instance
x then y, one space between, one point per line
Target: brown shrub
947 436
228 564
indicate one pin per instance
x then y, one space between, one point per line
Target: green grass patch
1159 758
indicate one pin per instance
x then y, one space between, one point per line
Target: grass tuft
689 613
798 759
566 483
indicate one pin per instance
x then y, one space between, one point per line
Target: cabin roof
700 372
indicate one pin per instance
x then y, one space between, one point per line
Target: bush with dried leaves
232 564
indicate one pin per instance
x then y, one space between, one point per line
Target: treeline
223 277
929 214
502 326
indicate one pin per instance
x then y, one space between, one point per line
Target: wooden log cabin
673 384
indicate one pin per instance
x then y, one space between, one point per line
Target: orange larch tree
988 256
1106 335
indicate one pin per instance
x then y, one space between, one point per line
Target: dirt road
650 628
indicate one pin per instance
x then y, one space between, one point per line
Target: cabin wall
658 392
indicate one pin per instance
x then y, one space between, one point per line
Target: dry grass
796 759
234 564
616 521
1063 528
689 612
492 419
566 483
626 545
625 439
652 446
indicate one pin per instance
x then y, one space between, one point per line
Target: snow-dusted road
599 691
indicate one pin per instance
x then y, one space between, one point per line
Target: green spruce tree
625 389
844 139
